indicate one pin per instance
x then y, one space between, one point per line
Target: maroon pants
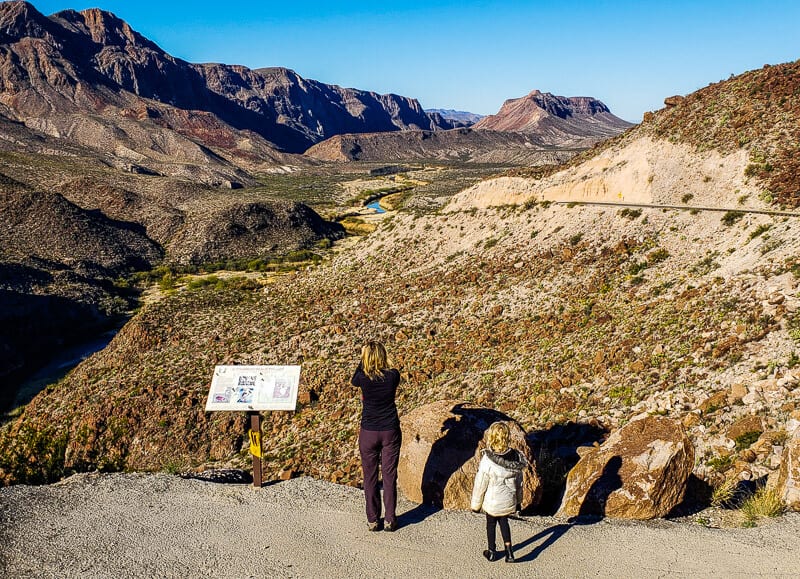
380 447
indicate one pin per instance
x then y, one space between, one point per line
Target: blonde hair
374 359
497 437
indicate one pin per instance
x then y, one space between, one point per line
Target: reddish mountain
557 120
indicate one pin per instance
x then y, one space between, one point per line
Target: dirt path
129 525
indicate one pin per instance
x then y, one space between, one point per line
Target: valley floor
131 525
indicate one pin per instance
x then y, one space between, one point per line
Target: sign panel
254 388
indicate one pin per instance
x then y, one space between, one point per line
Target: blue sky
472 55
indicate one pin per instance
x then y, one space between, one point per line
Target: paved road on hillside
681 207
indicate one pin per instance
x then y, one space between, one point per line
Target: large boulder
789 475
640 472
441 450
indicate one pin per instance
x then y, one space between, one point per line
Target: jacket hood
512 459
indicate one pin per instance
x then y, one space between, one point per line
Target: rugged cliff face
558 120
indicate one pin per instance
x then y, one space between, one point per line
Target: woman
379 437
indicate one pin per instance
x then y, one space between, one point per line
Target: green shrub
761 229
34 456
720 463
491 242
746 440
657 256
726 494
629 213
766 502
731 217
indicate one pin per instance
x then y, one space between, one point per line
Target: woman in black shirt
379 437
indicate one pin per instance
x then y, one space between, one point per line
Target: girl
379 437
498 487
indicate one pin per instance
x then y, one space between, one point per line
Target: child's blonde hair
497 437
374 359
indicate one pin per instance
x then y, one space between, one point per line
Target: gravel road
158 525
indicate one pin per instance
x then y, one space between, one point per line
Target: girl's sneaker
491 555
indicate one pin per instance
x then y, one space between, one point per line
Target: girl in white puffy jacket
498 487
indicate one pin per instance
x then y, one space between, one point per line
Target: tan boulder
737 392
746 425
640 472
441 450
714 402
789 475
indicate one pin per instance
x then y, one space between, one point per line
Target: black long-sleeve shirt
379 411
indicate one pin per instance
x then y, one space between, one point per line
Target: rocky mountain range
88 78
85 76
535 130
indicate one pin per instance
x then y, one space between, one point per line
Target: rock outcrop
441 450
789 475
640 472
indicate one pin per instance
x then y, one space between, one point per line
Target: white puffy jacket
498 483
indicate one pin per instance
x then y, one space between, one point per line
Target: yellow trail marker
255 443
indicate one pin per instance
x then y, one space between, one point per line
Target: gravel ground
136 525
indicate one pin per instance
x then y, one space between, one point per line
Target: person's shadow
594 504
553 534
592 510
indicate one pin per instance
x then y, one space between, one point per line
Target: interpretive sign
252 388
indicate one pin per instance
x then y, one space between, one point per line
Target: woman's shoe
510 555
391 527
491 555
373 526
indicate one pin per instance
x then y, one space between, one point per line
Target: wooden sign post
252 389
255 446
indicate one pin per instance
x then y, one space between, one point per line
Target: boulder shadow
555 451
696 498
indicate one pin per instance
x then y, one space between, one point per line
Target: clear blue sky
472 55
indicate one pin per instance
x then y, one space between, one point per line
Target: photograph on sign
254 388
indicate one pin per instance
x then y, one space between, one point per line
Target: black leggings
491 530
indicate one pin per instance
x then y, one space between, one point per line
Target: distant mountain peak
574 121
104 28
